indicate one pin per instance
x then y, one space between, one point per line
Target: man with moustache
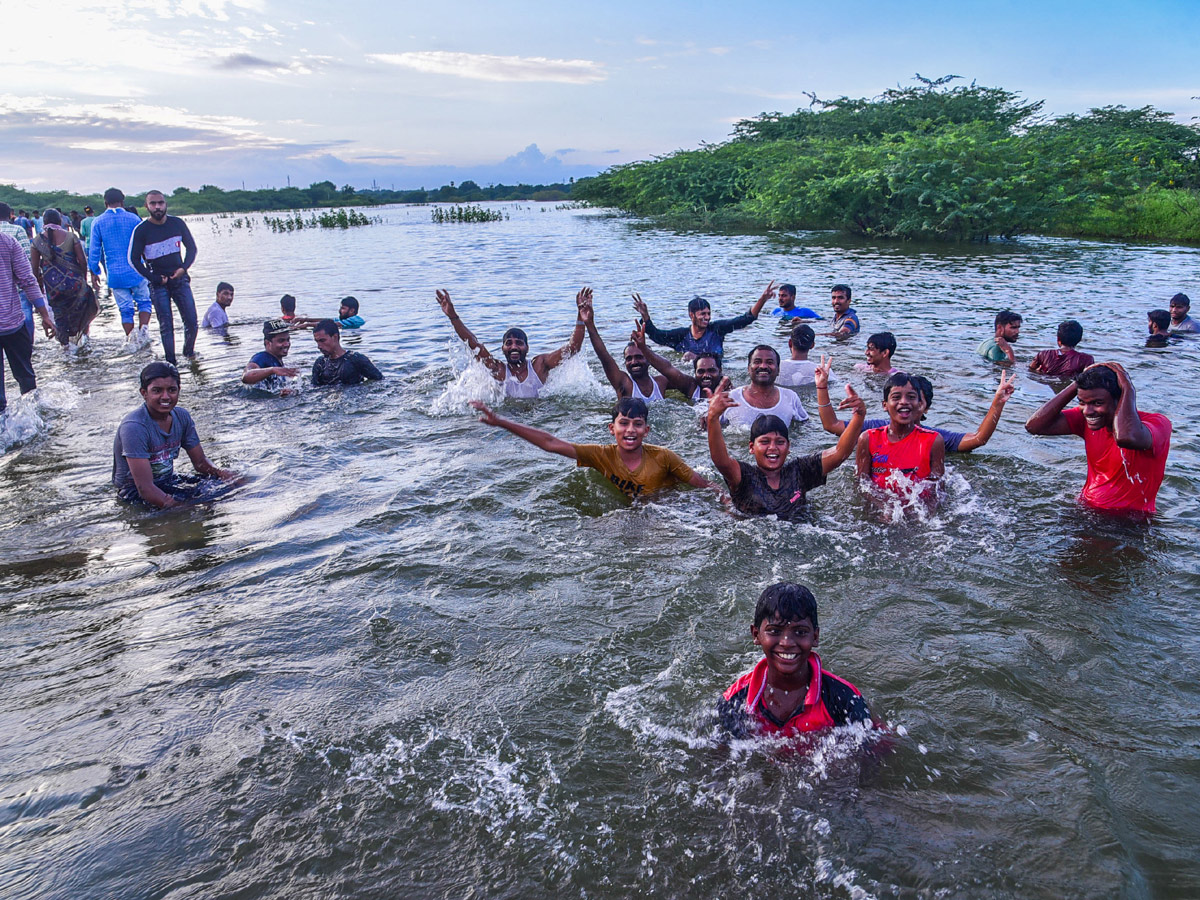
761 397
522 377
154 250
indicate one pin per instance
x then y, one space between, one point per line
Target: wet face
763 368
1098 407
840 302
225 298
786 646
1179 311
161 395
874 355
156 205
770 451
903 404
278 345
708 373
629 432
701 317
327 343
515 350
1011 331
635 361
345 312
786 300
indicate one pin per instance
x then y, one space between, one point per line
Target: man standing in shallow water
1126 449
154 250
522 377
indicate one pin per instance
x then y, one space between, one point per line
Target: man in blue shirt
267 365
108 242
845 319
703 335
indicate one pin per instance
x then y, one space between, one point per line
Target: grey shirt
139 437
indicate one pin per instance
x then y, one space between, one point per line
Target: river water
416 657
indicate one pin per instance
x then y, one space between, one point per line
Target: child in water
149 439
789 693
902 447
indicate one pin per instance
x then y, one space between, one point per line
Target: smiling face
904 404
701 317
770 451
708 372
1098 407
875 356
635 361
840 302
629 432
161 395
278 345
515 350
787 647
763 367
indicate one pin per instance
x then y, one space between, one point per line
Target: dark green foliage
951 163
467 214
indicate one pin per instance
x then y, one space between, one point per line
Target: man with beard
338 365
761 397
703 335
522 377
154 250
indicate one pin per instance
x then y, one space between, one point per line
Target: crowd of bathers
146 262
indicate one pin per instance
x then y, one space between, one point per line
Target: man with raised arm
1126 449
703 335
522 377
636 381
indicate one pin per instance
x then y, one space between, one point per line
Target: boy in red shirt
1126 449
788 693
902 447
1066 361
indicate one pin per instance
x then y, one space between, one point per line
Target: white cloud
487 67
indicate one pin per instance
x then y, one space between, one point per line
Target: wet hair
696 304
884 341
632 407
514 332
351 302
1070 333
784 602
925 386
1099 378
328 326
713 356
52 217
1160 318
224 286
844 288
158 370
1007 317
763 347
802 337
287 303
789 289
768 424
899 379
5 212
114 197
1181 300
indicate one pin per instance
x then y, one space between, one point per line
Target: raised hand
584 297
1119 371
640 307
769 292
584 306
1006 387
853 402
443 299
488 417
821 375
720 401
638 335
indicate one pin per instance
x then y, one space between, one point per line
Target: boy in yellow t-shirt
635 468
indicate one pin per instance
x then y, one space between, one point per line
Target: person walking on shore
154 250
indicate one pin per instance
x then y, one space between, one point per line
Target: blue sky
185 92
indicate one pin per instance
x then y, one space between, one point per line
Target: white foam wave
28 415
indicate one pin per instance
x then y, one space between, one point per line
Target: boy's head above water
786 602
630 423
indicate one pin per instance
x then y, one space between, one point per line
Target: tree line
937 160
212 199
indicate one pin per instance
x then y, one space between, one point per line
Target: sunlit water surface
416 657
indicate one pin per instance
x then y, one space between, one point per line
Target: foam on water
28 415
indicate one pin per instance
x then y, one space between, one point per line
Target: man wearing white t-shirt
761 396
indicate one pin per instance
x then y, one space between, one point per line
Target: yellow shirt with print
660 467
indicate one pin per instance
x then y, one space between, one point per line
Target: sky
262 93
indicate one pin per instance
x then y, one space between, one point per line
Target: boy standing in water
217 317
902 447
148 441
636 469
789 693
880 348
799 370
1066 361
1126 449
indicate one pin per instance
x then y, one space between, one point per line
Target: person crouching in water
772 485
789 692
902 447
149 439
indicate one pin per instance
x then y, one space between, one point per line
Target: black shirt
755 497
349 368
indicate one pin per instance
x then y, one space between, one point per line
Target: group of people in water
788 692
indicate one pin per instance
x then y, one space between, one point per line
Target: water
416 657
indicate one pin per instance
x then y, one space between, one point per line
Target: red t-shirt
1119 478
1063 363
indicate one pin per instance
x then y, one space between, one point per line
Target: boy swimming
902 447
149 439
634 467
789 692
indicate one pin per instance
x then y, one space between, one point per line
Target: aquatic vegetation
932 161
334 218
467 213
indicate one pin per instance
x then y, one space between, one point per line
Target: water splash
28 415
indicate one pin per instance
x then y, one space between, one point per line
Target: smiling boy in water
788 692
634 467
902 447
